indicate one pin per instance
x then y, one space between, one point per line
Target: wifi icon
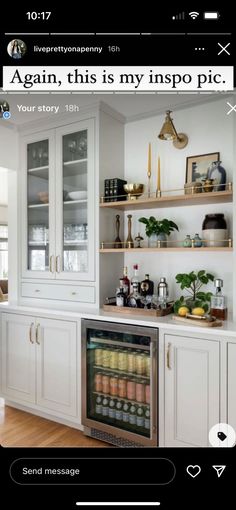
194 14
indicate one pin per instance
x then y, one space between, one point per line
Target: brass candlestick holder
129 240
149 183
117 243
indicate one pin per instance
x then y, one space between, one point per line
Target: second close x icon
223 48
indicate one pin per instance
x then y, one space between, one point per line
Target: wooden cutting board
199 322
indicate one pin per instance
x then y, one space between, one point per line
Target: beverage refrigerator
120 383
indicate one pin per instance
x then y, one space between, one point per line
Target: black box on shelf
116 190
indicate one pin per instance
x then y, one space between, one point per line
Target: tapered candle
149 161
159 174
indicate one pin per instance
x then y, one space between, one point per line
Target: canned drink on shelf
106 358
140 364
131 356
148 365
131 389
122 387
122 361
114 359
98 382
114 385
98 356
147 393
106 383
140 391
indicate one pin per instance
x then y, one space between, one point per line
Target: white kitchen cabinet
192 390
58 191
39 362
231 361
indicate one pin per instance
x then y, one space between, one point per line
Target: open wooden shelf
156 250
213 197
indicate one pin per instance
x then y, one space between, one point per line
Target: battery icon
211 15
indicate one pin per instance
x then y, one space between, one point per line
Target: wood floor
18 428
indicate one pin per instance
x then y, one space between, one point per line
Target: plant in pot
158 230
196 301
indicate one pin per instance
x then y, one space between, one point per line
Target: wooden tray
138 311
198 322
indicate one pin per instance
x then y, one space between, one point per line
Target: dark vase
214 230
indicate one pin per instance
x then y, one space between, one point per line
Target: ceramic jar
154 238
214 230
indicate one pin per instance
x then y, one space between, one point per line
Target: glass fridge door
122 380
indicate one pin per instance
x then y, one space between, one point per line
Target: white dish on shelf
77 195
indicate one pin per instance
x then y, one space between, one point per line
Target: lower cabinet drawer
77 293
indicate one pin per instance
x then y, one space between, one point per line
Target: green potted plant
196 299
158 230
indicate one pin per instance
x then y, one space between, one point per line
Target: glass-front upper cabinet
37 245
75 240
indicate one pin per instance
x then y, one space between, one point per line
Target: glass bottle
146 286
134 299
187 242
120 297
218 302
197 241
135 277
125 281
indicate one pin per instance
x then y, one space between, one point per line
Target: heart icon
193 471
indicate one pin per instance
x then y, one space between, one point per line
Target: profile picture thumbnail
16 48
4 107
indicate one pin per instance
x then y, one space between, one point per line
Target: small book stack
114 190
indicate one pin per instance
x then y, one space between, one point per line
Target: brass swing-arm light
168 132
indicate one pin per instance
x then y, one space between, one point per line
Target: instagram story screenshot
117 260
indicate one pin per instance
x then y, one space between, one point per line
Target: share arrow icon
219 470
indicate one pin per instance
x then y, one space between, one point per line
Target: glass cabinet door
75 244
38 207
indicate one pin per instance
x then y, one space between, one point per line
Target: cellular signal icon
193 14
179 16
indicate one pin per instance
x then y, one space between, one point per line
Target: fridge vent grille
117 441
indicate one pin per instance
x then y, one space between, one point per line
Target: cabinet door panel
18 357
232 384
56 365
75 185
191 390
38 206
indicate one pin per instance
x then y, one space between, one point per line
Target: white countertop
228 329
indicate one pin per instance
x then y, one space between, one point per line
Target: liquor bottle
105 406
218 302
112 408
133 414
146 286
140 417
125 281
98 407
147 418
118 411
135 277
120 297
134 299
125 412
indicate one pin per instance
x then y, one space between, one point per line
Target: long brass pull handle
30 333
37 334
168 357
58 264
51 264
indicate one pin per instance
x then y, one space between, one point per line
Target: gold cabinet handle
58 263
37 334
30 333
51 264
37 290
73 293
168 356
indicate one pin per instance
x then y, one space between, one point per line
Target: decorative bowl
134 190
43 196
77 195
